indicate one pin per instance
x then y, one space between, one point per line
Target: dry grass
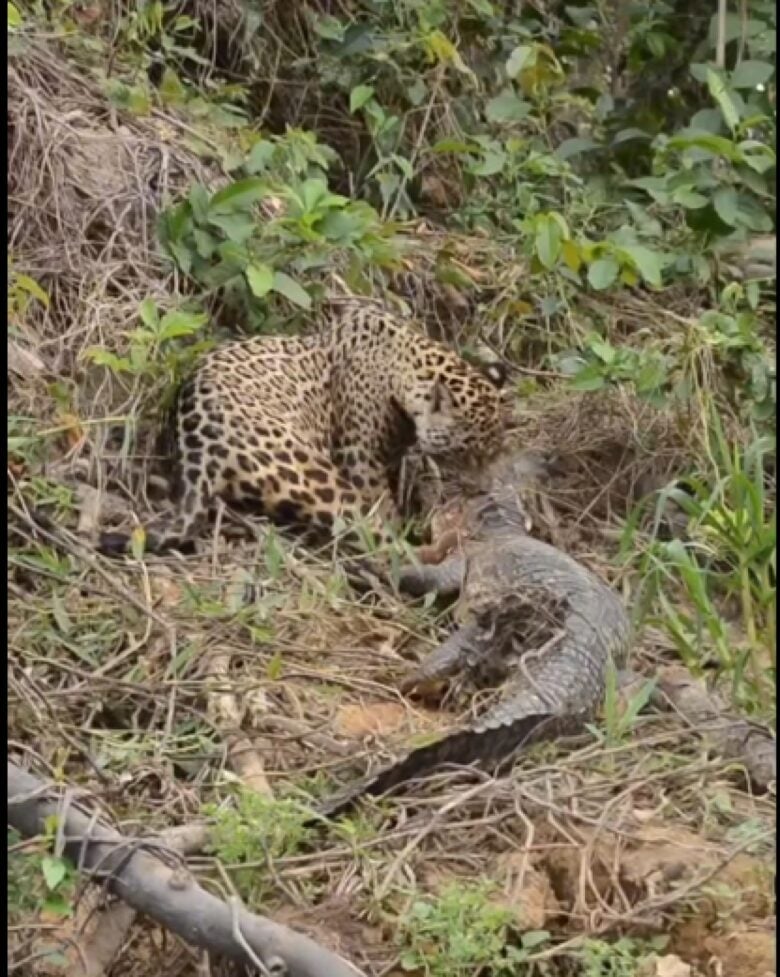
111 666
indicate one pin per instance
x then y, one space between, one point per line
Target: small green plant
22 291
156 348
37 880
462 932
728 561
252 833
618 724
625 957
223 241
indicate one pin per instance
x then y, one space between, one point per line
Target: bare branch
162 891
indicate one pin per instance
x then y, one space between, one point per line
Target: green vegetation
463 932
589 190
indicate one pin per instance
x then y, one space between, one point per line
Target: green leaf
489 165
726 204
239 195
602 273
522 56
445 52
32 288
605 351
648 262
260 278
688 198
171 89
533 938
329 27
238 228
506 107
175 324
708 120
358 97
547 240
575 146
14 17
589 377
199 201
103 357
148 313
652 375
750 74
54 871
288 287
260 156
416 92
724 97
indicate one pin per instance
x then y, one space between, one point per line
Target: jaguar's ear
496 372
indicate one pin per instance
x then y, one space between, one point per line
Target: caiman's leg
449 658
445 578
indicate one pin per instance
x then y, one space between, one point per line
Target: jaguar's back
308 430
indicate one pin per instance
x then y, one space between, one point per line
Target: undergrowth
586 190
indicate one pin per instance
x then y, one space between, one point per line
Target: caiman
512 587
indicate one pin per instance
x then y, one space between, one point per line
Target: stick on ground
166 894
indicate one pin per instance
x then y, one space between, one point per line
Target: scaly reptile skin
554 690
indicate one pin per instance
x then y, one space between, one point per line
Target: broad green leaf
489 165
239 195
54 871
724 97
14 17
626 135
652 375
547 240
708 120
647 262
602 273
175 324
148 313
750 74
260 156
199 198
589 377
103 357
756 155
234 255
726 204
688 198
521 57
291 290
753 181
238 228
358 97
605 351
719 145
260 278
507 106
574 147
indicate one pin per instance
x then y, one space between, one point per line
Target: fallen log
153 881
